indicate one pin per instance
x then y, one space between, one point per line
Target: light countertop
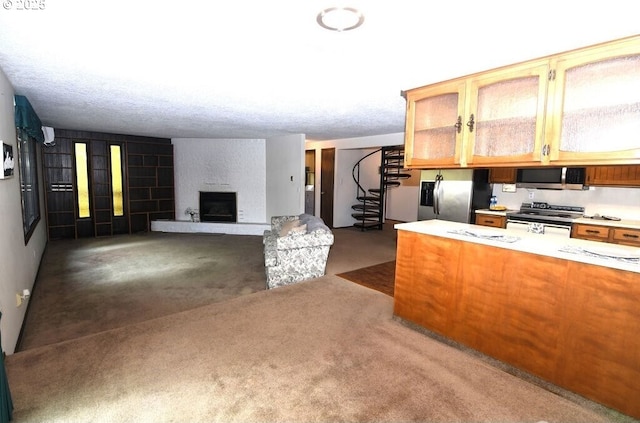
495 212
590 252
624 223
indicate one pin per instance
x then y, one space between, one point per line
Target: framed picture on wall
7 161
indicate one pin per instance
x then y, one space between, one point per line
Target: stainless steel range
539 217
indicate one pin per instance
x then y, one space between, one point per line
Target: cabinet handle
458 124
592 231
630 236
471 122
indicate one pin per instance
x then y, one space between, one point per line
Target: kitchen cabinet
584 316
593 111
507 108
603 233
574 108
493 117
502 175
434 125
624 176
491 220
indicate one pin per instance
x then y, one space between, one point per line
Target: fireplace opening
218 206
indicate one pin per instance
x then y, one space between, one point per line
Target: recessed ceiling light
340 18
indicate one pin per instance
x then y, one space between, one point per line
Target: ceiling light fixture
340 18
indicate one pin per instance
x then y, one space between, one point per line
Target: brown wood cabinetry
151 188
146 166
556 110
624 176
502 175
615 235
491 220
576 329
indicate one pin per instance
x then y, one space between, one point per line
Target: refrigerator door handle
436 195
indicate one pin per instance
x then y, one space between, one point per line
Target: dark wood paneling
151 183
148 183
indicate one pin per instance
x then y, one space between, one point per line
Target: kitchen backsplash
620 202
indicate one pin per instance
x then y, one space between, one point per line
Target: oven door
549 228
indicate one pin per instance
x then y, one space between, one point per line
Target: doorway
327 171
310 182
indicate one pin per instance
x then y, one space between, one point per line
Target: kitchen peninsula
564 310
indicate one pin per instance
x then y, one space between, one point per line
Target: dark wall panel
148 182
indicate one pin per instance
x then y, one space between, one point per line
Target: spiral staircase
370 209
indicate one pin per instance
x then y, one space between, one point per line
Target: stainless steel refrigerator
453 194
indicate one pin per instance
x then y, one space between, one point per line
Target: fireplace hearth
218 206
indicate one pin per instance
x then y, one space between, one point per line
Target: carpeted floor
178 327
327 350
89 285
379 277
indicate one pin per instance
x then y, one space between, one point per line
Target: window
116 181
82 180
27 158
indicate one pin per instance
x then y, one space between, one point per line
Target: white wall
402 203
344 189
18 262
226 165
285 175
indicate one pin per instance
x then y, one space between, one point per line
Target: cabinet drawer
599 233
626 236
490 220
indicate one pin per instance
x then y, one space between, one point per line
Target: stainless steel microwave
552 178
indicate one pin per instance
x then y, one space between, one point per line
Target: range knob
539 205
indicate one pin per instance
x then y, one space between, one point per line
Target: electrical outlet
531 195
18 300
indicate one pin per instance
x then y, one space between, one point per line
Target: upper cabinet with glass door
493 117
506 110
594 105
433 135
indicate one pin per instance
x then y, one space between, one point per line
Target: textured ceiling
257 68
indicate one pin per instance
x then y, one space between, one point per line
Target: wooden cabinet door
434 125
626 176
507 108
594 105
502 175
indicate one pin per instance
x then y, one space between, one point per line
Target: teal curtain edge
27 119
6 402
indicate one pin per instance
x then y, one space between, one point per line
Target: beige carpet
90 285
327 350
